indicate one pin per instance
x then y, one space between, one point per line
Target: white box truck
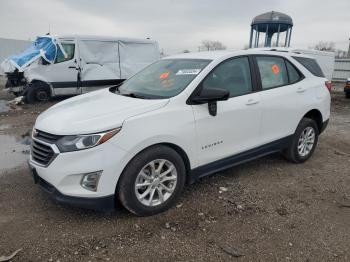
76 64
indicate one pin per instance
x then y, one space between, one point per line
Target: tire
130 196
37 92
347 95
294 152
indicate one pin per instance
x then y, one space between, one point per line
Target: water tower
268 25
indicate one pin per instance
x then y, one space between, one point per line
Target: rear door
279 96
236 126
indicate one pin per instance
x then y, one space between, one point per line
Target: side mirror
211 96
208 95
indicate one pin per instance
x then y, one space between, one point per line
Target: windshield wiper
133 95
115 89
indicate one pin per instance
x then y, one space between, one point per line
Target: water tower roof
272 18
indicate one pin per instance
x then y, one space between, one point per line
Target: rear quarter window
311 65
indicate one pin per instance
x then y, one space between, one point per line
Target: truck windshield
163 79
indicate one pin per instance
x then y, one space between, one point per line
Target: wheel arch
173 146
315 115
184 157
38 81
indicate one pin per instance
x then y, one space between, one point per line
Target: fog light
89 181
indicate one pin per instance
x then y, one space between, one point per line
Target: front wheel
304 141
152 181
37 92
347 95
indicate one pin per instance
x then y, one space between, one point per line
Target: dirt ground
272 210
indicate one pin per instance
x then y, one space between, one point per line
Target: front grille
49 138
41 153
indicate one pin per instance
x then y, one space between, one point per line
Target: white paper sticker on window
188 72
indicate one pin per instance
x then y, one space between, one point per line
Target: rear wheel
347 95
304 141
152 181
37 92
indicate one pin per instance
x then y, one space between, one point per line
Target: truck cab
82 64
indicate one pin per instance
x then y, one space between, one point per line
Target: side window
273 72
69 48
294 75
233 75
311 65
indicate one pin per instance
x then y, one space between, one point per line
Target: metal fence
341 70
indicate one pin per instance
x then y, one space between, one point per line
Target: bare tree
206 44
218 45
210 45
325 46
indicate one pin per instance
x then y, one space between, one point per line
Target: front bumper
16 89
104 204
61 178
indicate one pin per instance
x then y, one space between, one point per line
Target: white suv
179 119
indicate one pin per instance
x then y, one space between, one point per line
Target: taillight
329 85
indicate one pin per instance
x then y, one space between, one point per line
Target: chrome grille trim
42 152
47 137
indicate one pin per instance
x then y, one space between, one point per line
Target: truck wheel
347 95
37 92
152 181
304 141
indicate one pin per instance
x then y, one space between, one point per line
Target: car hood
93 112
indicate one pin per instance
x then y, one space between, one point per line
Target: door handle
73 67
301 90
252 102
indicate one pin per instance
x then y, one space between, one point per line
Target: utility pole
349 49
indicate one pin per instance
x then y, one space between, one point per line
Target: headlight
80 142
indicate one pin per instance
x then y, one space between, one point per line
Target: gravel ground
268 210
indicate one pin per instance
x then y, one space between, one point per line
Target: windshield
163 79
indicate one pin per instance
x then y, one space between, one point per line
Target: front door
236 126
62 75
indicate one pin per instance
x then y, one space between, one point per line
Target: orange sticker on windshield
164 75
275 69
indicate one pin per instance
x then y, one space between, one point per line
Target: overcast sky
175 24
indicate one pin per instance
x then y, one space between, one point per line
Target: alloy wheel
156 182
306 141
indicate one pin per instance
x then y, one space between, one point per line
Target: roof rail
279 49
